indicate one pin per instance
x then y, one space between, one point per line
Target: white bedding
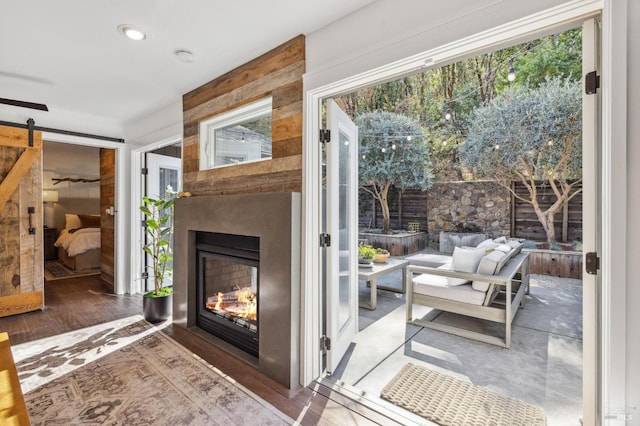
80 241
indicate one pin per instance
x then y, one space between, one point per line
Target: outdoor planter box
398 244
564 264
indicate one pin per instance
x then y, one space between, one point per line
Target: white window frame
236 116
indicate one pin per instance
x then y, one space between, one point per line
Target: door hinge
144 171
143 223
144 275
325 135
325 240
325 344
591 263
591 83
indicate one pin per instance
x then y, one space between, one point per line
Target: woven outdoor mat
445 400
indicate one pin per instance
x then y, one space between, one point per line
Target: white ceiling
69 54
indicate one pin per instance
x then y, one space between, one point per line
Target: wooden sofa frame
507 282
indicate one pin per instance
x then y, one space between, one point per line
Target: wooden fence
525 224
411 206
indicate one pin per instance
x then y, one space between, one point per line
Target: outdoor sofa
488 282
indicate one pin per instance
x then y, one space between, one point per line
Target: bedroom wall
63 161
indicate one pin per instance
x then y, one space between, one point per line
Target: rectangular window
238 136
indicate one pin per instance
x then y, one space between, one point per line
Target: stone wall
479 206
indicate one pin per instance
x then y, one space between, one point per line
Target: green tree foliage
392 152
531 134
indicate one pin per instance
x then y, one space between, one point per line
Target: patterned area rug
55 270
128 372
447 400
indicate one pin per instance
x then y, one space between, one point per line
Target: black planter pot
157 309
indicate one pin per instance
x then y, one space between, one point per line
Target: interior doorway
78 197
335 273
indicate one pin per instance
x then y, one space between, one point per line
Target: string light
512 72
393 146
409 138
447 115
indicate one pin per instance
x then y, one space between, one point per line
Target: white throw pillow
487 266
465 260
488 243
72 221
505 248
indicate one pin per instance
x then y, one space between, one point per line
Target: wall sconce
50 196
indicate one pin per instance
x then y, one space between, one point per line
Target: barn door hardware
31 211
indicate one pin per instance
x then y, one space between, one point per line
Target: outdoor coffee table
370 275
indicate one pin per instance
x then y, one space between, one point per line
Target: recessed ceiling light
184 55
131 32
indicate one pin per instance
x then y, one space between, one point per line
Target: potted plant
365 254
381 255
157 304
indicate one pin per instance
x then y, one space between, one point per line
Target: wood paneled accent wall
107 222
21 258
278 74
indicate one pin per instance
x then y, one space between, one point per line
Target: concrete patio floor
543 366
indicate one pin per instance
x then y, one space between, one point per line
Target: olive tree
529 135
393 152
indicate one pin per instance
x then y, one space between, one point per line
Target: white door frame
137 161
534 26
120 278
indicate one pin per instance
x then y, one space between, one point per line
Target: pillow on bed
89 221
72 221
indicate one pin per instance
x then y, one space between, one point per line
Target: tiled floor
542 367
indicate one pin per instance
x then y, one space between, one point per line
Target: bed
79 242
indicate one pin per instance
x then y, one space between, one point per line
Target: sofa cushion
487 266
505 248
500 240
436 286
465 259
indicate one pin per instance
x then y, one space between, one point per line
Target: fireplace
258 237
228 288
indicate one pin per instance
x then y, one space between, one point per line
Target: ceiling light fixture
131 32
184 55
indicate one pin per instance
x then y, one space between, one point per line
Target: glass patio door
342 225
162 171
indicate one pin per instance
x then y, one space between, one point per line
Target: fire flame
240 303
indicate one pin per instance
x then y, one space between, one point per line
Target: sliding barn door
107 213
22 264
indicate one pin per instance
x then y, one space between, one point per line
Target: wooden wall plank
248 93
278 73
107 222
277 58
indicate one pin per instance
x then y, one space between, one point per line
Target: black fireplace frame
238 249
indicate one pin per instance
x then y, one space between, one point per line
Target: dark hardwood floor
76 303
71 304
